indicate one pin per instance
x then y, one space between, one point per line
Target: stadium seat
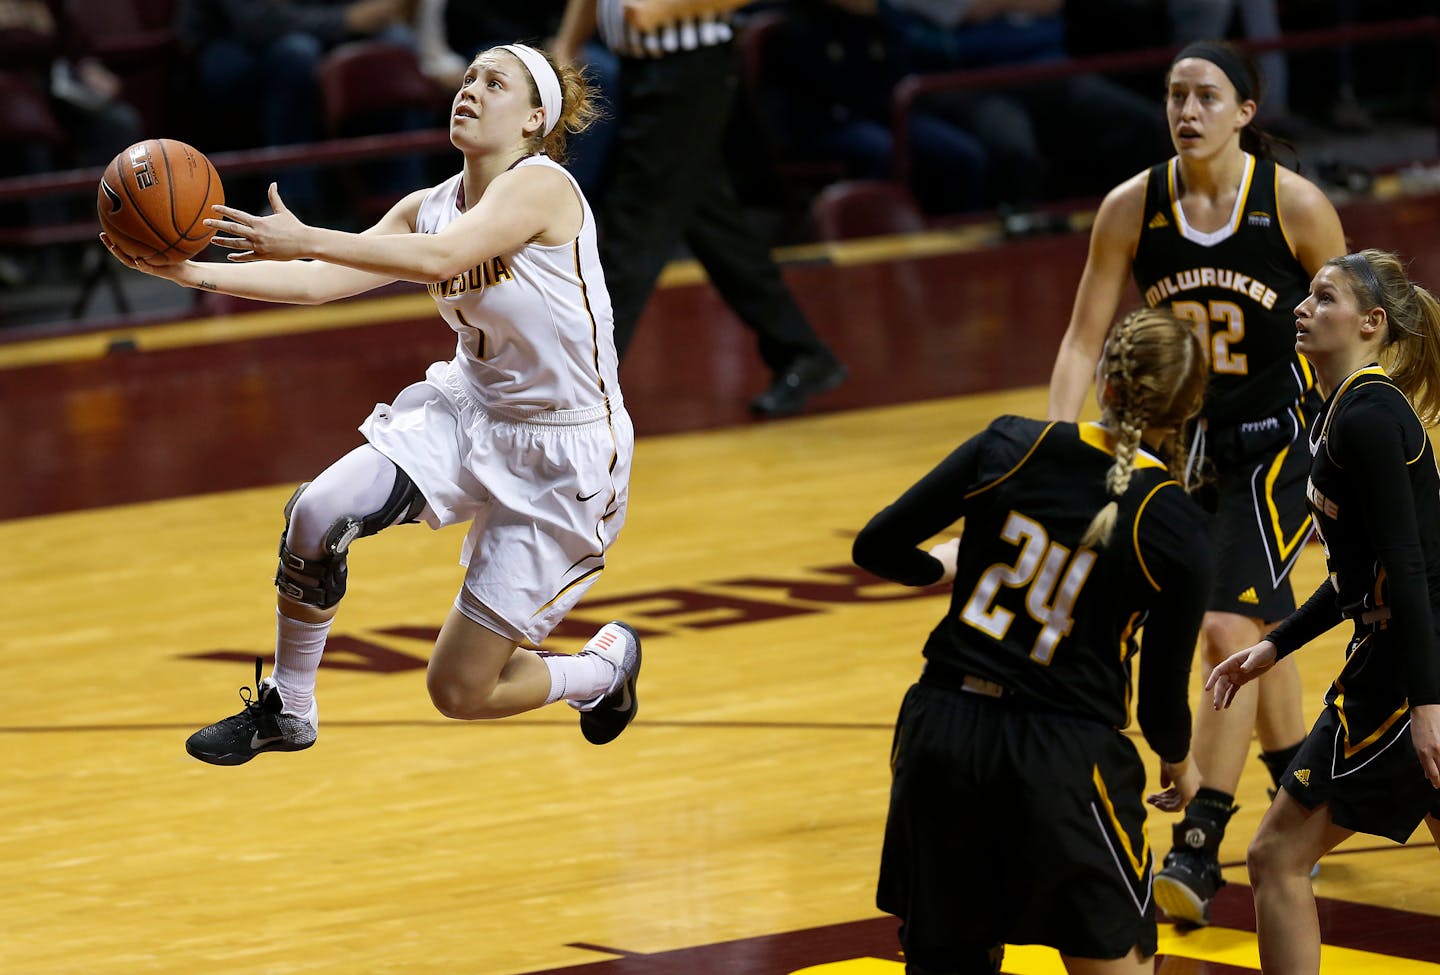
865 208
364 85
25 115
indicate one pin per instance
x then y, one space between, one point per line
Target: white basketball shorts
546 495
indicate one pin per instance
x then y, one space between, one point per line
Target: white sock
583 676
298 646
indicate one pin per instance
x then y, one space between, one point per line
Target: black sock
1211 806
1278 761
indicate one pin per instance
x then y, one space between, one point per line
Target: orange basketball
153 198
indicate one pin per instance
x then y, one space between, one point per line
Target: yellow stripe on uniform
1003 477
1285 545
1136 865
1135 533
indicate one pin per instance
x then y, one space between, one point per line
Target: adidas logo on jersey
1248 596
1158 221
1303 775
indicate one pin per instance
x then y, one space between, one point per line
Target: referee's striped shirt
689 34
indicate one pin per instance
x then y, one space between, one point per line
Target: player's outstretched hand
1425 735
948 553
1238 669
279 236
1179 782
172 272
647 15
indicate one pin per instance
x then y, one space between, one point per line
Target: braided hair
1152 377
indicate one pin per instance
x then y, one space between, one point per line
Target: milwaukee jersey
1375 496
1053 622
1239 287
535 332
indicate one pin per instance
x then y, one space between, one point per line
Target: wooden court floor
745 804
735 828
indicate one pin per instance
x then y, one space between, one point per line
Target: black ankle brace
1205 820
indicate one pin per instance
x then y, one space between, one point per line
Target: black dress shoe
806 376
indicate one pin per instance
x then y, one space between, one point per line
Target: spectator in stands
439 60
1199 20
827 96
40 43
469 27
1097 126
1346 112
39 40
262 55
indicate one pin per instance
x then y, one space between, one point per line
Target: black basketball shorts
1377 788
1261 521
1008 825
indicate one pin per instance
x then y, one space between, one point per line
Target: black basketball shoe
602 720
1185 887
259 727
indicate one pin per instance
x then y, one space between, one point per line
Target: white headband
547 82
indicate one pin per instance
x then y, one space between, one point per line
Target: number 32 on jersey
1221 327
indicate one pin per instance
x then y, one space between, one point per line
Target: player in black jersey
1372 762
1015 810
1229 240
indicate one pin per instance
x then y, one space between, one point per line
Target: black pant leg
742 269
673 112
739 262
669 182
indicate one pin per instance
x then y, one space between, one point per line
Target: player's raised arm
1112 245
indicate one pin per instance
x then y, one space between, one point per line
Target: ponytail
1153 372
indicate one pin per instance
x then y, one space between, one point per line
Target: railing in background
432 141
917 86
98 269
242 161
909 89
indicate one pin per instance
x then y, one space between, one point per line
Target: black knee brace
320 582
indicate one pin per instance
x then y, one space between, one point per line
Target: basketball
153 198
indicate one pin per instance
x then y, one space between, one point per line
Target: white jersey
536 333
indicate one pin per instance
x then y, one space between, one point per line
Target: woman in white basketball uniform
523 433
